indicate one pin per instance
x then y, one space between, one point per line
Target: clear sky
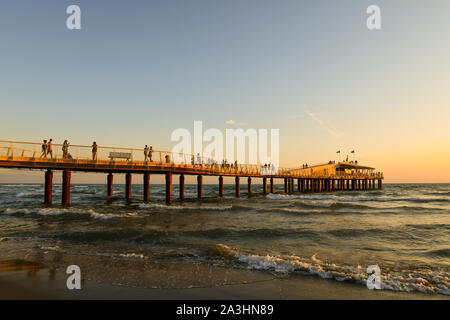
139 69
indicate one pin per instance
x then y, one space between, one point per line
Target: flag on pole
338 151
353 151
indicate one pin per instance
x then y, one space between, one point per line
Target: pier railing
119 156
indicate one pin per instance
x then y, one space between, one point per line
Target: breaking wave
64 211
175 207
424 281
355 198
130 255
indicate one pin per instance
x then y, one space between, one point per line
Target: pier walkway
114 160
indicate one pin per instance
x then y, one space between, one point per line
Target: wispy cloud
230 122
335 133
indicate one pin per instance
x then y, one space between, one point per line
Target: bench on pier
119 155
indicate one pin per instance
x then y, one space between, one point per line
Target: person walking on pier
65 149
44 149
94 151
150 153
199 159
50 148
146 153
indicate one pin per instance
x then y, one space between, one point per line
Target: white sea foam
133 255
175 207
356 198
425 281
25 194
130 255
61 211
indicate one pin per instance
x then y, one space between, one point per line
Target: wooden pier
328 177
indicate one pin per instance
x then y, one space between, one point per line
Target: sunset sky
137 70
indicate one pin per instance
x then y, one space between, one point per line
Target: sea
403 229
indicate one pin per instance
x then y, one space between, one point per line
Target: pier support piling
221 186
380 184
264 185
146 187
66 187
128 186
48 187
237 187
285 185
271 185
109 189
199 186
181 186
168 188
249 185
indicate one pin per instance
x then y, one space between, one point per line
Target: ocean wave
28 195
431 226
57 249
131 235
441 253
64 211
356 198
112 235
424 281
175 207
444 193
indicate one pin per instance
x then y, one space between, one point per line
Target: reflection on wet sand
20 265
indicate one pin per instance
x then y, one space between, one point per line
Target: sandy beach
25 285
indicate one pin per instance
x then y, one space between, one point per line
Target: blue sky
137 70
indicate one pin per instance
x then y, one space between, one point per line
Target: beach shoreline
21 285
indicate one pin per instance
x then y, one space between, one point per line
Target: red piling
66 187
146 187
109 190
128 186
181 186
264 185
168 188
220 186
199 186
48 187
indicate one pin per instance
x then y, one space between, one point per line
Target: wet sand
27 285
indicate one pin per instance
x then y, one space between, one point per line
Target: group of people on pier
148 152
47 149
